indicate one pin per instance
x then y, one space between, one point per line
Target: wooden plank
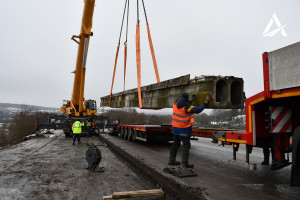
140 193
107 197
143 198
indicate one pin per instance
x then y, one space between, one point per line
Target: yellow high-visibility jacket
76 128
88 123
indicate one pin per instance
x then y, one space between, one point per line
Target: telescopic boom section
79 80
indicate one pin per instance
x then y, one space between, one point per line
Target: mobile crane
78 108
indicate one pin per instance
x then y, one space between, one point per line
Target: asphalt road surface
52 168
218 178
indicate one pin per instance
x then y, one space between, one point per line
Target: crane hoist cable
138 51
117 54
125 46
151 46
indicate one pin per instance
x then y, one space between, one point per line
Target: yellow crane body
78 106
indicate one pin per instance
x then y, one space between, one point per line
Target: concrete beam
226 92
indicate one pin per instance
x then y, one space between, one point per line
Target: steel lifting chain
138 50
138 12
145 13
117 54
125 47
127 23
151 46
123 20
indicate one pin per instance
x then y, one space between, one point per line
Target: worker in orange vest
182 120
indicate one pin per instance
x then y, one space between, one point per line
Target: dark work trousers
89 131
76 136
185 151
267 154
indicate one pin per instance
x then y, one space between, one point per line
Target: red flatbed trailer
145 132
272 116
160 132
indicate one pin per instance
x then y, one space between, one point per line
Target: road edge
168 184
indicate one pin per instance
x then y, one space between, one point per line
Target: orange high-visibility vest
93 125
180 119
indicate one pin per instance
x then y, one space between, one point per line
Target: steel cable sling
117 53
125 46
138 52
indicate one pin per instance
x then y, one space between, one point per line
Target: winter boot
187 165
185 158
174 162
265 162
266 156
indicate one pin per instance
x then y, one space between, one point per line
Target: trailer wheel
121 132
67 134
125 133
133 132
129 134
295 172
97 132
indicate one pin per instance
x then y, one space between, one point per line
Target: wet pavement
52 168
217 179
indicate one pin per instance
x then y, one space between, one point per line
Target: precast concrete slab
227 92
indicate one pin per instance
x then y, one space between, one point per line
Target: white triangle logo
268 33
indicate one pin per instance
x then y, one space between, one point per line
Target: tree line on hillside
21 125
131 116
24 123
217 116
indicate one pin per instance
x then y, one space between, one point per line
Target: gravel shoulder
52 168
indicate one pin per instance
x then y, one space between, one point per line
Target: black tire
295 173
96 132
121 132
125 133
133 134
129 134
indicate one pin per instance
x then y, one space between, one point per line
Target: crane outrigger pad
227 92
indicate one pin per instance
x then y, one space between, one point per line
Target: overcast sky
193 37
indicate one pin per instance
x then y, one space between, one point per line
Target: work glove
207 99
192 98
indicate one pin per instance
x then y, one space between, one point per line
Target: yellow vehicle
78 106
79 109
